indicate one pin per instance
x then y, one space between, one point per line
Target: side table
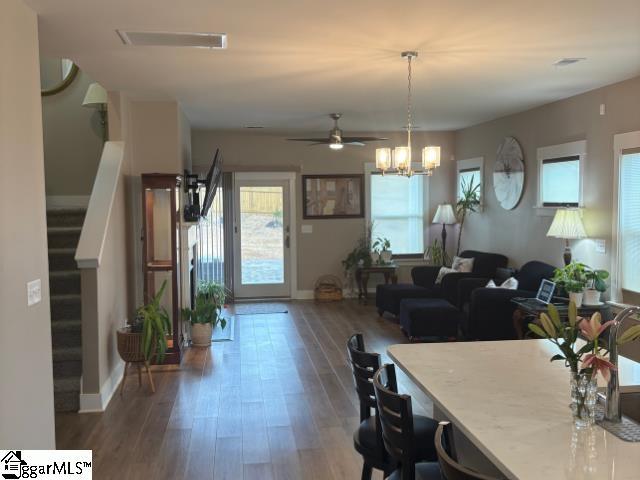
389 271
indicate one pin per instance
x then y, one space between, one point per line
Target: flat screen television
212 182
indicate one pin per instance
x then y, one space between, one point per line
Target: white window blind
629 228
561 181
466 176
397 209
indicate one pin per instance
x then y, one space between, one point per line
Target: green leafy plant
382 244
572 277
468 203
152 319
436 255
208 306
596 279
361 253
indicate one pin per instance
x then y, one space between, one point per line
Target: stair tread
62 210
63 325
64 229
66 296
62 251
64 273
66 384
65 354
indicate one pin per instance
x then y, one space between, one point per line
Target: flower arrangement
586 361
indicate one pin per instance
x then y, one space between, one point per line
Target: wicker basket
328 289
130 346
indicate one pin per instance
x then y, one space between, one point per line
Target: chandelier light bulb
401 158
383 158
430 157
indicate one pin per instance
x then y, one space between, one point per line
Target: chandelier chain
409 102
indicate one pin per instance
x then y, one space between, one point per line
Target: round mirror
56 74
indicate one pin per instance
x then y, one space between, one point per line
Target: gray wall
322 251
520 233
26 403
72 139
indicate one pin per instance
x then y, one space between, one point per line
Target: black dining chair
367 439
447 457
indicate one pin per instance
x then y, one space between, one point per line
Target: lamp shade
401 158
567 224
444 214
430 157
96 96
383 158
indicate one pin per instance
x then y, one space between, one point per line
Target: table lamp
567 224
445 216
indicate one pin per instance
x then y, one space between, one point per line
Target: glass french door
262 253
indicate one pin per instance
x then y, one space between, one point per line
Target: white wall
26 402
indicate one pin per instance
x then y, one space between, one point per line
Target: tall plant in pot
360 256
468 203
596 285
573 279
382 246
206 314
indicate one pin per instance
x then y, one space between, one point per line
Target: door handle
286 241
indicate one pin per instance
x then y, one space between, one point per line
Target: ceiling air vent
563 62
173 39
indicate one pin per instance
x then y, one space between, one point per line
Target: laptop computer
544 295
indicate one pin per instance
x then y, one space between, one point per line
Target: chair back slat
396 419
363 366
447 457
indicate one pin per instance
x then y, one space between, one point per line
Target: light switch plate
306 228
34 292
601 246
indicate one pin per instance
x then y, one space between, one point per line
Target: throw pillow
464 265
491 284
443 271
510 283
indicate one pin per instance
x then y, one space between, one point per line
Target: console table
389 271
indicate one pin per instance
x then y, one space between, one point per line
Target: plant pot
576 297
201 334
591 297
385 256
375 257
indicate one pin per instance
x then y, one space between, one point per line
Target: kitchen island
512 404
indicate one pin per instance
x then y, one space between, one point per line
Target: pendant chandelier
398 161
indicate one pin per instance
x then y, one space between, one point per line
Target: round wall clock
508 173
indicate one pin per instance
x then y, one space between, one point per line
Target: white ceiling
290 62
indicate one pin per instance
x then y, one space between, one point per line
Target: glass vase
584 387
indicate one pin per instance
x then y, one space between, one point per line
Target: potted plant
596 285
573 279
382 246
206 314
436 255
360 256
468 202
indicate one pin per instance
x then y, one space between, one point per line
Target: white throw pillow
491 284
443 271
510 283
464 265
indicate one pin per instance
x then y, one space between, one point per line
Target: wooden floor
276 403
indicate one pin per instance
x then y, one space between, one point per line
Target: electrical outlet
601 246
34 292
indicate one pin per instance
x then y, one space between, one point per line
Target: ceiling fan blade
320 140
363 139
355 144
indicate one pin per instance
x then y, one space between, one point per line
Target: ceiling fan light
430 157
336 146
401 159
383 158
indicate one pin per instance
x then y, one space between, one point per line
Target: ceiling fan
336 140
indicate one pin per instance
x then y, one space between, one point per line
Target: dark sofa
388 297
491 309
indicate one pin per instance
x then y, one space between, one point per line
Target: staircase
63 232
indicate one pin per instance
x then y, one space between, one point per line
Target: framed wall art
333 196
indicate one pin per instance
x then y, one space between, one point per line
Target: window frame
558 153
622 145
370 169
467 165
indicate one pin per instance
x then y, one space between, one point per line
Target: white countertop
513 404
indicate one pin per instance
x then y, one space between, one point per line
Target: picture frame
333 196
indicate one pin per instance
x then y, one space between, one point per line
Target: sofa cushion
532 273
388 297
485 263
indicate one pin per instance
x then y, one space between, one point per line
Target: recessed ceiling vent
563 62
173 39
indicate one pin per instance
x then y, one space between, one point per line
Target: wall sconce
96 97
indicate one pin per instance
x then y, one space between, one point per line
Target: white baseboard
98 402
303 295
67 201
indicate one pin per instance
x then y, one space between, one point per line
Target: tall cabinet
161 249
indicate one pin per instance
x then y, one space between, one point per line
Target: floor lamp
445 216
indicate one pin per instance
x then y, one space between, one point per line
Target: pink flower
599 364
592 328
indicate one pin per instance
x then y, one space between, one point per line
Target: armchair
388 297
491 310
